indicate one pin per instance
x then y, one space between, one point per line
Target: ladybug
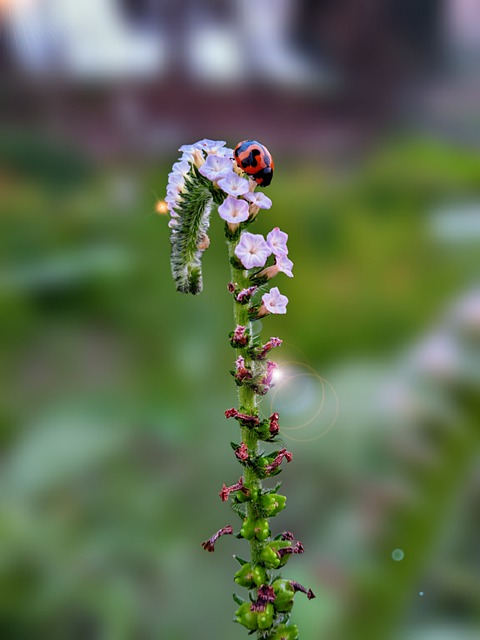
256 160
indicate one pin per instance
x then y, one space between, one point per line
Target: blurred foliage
113 386
36 157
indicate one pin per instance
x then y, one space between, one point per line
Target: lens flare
161 207
300 397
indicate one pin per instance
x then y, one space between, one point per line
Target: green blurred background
113 386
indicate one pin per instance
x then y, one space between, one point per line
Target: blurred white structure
264 28
96 40
89 40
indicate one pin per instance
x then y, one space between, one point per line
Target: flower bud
272 503
250 577
265 618
255 528
285 632
245 617
284 594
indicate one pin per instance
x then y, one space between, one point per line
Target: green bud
269 557
265 618
284 594
240 496
272 503
285 632
255 528
263 430
248 529
247 618
259 575
250 577
262 530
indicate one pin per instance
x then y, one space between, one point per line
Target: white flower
187 148
188 151
216 167
258 199
282 263
233 210
182 167
171 200
173 191
277 241
234 185
274 301
211 146
252 250
225 152
176 180
285 265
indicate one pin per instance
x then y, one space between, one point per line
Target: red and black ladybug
256 160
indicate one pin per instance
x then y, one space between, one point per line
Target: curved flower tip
252 250
189 199
274 302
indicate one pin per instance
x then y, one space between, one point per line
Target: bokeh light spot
398 555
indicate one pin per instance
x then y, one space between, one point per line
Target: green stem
246 396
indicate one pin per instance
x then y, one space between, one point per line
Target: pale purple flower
173 191
282 263
252 250
285 265
234 185
258 199
187 148
225 152
211 146
182 167
274 301
175 180
216 167
188 153
277 241
172 199
172 196
233 210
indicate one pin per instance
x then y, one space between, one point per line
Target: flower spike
210 177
